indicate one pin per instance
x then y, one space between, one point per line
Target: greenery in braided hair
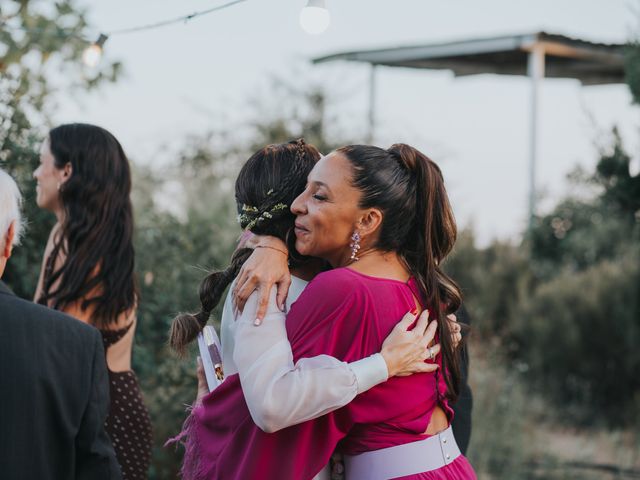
275 205
273 176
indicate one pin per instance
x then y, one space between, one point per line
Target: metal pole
535 71
372 104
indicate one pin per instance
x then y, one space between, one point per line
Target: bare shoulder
54 236
54 233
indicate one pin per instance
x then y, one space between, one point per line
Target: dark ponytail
265 188
418 224
428 243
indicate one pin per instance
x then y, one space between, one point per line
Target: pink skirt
459 469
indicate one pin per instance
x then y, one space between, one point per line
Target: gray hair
10 203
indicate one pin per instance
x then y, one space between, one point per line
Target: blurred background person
53 381
87 270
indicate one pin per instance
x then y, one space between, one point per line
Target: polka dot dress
128 422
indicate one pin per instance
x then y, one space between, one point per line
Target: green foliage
621 189
35 38
632 69
564 306
579 329
578 334
493 280
38 38
291 110
172 256
580 233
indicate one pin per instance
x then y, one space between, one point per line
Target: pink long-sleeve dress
328 318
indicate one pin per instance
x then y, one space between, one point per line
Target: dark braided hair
273 176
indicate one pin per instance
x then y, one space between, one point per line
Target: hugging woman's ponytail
418 224
265 188
429 241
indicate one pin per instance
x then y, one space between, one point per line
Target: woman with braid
87 270
261 377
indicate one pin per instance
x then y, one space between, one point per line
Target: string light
93 53
181 19
314 17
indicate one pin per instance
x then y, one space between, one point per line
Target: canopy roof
591 63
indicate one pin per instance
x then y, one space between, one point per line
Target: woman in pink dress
382 219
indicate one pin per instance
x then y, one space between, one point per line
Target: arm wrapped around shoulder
280 393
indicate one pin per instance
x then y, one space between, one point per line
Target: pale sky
189 78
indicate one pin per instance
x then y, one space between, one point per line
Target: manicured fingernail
257 322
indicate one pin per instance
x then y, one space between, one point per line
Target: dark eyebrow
320 184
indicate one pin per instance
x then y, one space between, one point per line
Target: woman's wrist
267 241
389 360
285 253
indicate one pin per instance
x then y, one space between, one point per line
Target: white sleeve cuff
369 371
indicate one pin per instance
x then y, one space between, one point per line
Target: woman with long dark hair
382 220
84 179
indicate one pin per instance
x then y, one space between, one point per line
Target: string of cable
314 19
124 31
184 18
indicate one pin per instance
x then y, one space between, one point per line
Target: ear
8 240
67 170
370 222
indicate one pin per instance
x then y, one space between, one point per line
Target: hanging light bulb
93 53
315 18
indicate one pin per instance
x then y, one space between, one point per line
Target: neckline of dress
371 277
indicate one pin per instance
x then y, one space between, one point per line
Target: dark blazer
54 396
462 408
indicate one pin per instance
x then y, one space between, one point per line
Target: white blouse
278 392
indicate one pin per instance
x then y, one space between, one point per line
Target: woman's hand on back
405 351
456 330
267 265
